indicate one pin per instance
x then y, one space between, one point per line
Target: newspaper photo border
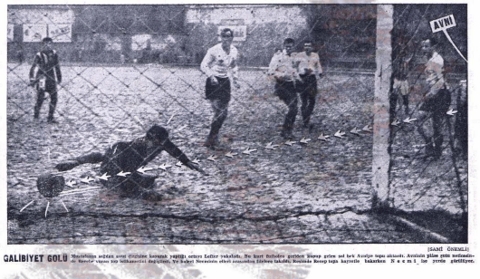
30 270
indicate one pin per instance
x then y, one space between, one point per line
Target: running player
219 61
309 68
283 68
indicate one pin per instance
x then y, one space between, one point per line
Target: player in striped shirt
44 75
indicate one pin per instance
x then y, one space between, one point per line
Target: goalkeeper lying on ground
129 157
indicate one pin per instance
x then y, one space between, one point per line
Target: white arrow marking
123 174
104 177
70 183
142 170
355 131
248 151
304 140
164 167
230 154
339 134
28 204
179 164
367 128
395 123
196 161
270 145
290 142
451 112
212 158
87 180
409 120
323 137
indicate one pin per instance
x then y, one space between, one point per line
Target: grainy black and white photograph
237 124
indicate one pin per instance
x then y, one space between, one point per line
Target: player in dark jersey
402 55
46 77
128 157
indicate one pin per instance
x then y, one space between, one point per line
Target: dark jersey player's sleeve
175 152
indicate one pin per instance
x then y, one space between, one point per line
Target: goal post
381 109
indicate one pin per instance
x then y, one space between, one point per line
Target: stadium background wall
344 35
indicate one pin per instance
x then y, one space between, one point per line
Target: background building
344 35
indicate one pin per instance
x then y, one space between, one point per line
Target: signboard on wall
34 32
141 41
239 32
10 32
60 33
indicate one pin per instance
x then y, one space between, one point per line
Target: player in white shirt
218 64
283 68
309 68
436 101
